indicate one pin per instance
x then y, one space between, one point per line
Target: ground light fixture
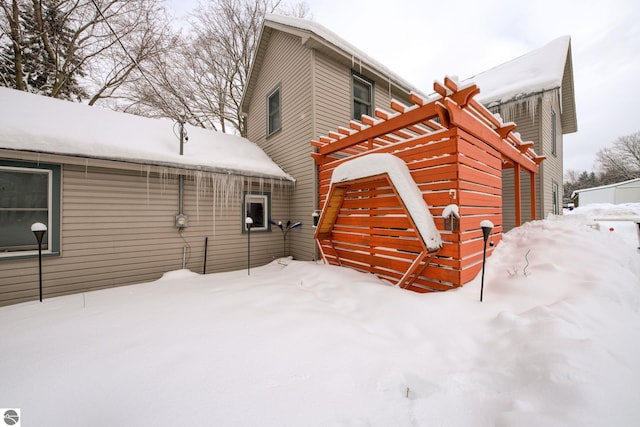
249 223
486 226
39 229
285 229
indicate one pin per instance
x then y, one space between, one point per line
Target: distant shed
455 151
621 192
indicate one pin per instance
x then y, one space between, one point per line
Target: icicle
86 167
148 167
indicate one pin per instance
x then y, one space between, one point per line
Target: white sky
423 41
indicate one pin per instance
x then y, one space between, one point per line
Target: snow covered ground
556 342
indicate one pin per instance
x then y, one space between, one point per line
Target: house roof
534 72
547 68
35 123
630 183
317 36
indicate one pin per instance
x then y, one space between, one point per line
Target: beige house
536 92
120 202
306 82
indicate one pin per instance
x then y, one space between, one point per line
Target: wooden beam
344 131
532 183
398 122
398 106
461 96
506 129
443 115
466 121
368 120
524 147
384 115
518 194
335 135
439 89
417 99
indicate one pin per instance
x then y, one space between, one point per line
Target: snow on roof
339 42
40 124
602 187
396 169
534 72
537 71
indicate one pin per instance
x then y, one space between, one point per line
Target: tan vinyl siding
118 228
529 130
315 99
288 63
333 95
551 167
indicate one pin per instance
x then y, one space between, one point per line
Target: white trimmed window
554 133
362 96
555 195
274 116
256 206
29 193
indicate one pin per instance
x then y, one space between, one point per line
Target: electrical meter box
182 220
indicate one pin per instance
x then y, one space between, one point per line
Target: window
555 194
554 136
256 206
29 193
274 120
362 96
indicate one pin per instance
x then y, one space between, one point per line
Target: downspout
316 183
181 177
181 218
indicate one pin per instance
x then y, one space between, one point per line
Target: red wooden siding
455 150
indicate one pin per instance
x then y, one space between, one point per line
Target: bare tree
205 77
621 161
83 48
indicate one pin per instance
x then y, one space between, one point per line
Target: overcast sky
423 41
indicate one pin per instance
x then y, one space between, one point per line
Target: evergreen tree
42 37
50 65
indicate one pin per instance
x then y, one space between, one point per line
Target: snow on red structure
455 151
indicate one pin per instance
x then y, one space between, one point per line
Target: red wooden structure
455 150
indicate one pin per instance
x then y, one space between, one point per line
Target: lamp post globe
38 230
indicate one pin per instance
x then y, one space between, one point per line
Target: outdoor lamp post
249 223
285 230
486 226
39 229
